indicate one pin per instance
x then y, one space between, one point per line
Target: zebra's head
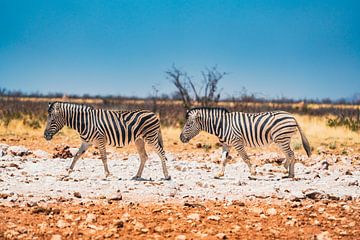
55 121
192 126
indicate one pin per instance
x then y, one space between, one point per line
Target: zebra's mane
220 109
51 105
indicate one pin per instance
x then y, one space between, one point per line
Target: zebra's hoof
288 176
137 178
218 176
167 178
252 178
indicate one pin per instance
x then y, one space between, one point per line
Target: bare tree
179 79
205 95
211 78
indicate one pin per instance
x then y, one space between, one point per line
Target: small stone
323 236
256 210
180 237
77 195
119 224
221 236
18 150
271 211
194 217
144 230
138 226
90 217
116 197
213 218
61 224
56 237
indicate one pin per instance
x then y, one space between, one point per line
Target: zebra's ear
49 104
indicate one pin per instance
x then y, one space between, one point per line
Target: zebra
240 130
108 127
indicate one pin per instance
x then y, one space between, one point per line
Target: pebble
323 236
62 224
56 237
180 237
194 217
214 218
221 236
271 211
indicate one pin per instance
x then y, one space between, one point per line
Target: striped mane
51 105
220 109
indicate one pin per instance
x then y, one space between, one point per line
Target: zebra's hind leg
84 146
158 145
224 159
289 164
241 150
102 149
140 146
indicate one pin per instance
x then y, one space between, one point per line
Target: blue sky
298 49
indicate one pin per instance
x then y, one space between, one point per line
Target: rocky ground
39 199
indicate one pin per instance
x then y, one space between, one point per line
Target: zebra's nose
47 136
183 139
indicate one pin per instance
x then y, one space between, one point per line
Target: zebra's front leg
245 157
84 146
224 159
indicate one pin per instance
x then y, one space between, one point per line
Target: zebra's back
123 127
259 129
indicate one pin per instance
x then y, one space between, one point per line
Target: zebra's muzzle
48 136
184 139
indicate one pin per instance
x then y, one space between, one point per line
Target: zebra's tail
304 140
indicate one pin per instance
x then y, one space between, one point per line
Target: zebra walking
107 127
239 129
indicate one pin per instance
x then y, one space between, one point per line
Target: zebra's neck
212 122
76 116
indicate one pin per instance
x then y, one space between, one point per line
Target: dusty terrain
39 200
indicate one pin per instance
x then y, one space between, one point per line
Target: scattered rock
180 237
118 223
271 211
90 217
116 197
18 151
325 165
4 195
256 210
221 236
62 224
56 237
315 195
214 218
323 236
194 217
77 195
62 152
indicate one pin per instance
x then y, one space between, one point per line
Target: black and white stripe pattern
239 129
108 127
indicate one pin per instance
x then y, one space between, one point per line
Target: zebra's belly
258 142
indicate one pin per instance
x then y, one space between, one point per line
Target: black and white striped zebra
108 127
239 129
